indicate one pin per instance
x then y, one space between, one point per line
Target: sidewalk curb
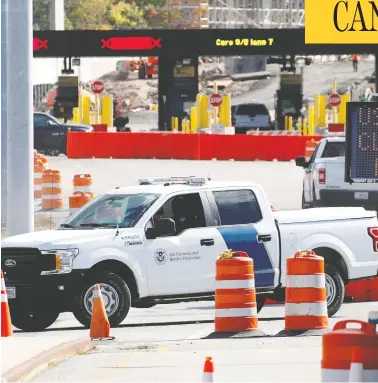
28 369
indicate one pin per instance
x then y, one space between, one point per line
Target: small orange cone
356 372
6 323
208 370
100 327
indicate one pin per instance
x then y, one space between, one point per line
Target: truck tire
115 293
335 289
260 301
32 320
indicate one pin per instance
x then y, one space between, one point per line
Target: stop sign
97 87
216 99
334 99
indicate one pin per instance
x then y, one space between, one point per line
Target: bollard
235 295
320 103
227 110
204 114
305 131
306 297
198 106
76 115
86 110
193 119
290 124
311 120
183 126
334 119
345 98
286 122
176 122
107 110
338 346
299 126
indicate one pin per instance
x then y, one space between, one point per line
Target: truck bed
322 214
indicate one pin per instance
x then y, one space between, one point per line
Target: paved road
281 180
148 348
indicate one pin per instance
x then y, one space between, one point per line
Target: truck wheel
115 294
335 289
30 320
260 301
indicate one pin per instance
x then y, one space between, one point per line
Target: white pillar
20 213
56 15
4 111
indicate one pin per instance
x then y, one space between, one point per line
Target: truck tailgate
335 170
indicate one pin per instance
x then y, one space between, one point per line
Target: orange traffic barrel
77 200
235 294
52 190
306 296
363 291
310 148
82 182
338 346
39 168
6 323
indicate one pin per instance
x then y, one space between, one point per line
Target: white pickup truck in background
323 182
157 242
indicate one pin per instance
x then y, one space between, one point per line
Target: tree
102 14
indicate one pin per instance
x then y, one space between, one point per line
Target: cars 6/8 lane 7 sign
361 162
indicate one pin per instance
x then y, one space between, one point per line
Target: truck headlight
63 261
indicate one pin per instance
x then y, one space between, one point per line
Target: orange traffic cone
6 323
208 370
356 372
100 327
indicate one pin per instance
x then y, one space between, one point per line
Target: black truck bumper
334 198
54 291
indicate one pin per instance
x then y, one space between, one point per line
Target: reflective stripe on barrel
235 295
306 297
82 183
52 190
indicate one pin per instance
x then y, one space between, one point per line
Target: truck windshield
109 210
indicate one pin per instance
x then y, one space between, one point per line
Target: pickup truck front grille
24 264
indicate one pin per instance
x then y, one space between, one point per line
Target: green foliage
104 14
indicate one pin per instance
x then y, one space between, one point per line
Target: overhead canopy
184 43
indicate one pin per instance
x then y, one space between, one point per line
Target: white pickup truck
158 242
323 181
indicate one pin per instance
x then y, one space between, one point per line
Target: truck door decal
244 238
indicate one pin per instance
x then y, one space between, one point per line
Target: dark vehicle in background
50 134
251 116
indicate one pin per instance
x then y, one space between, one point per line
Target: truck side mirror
301 161
163 227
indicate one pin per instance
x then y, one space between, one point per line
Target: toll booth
178 88
289 98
